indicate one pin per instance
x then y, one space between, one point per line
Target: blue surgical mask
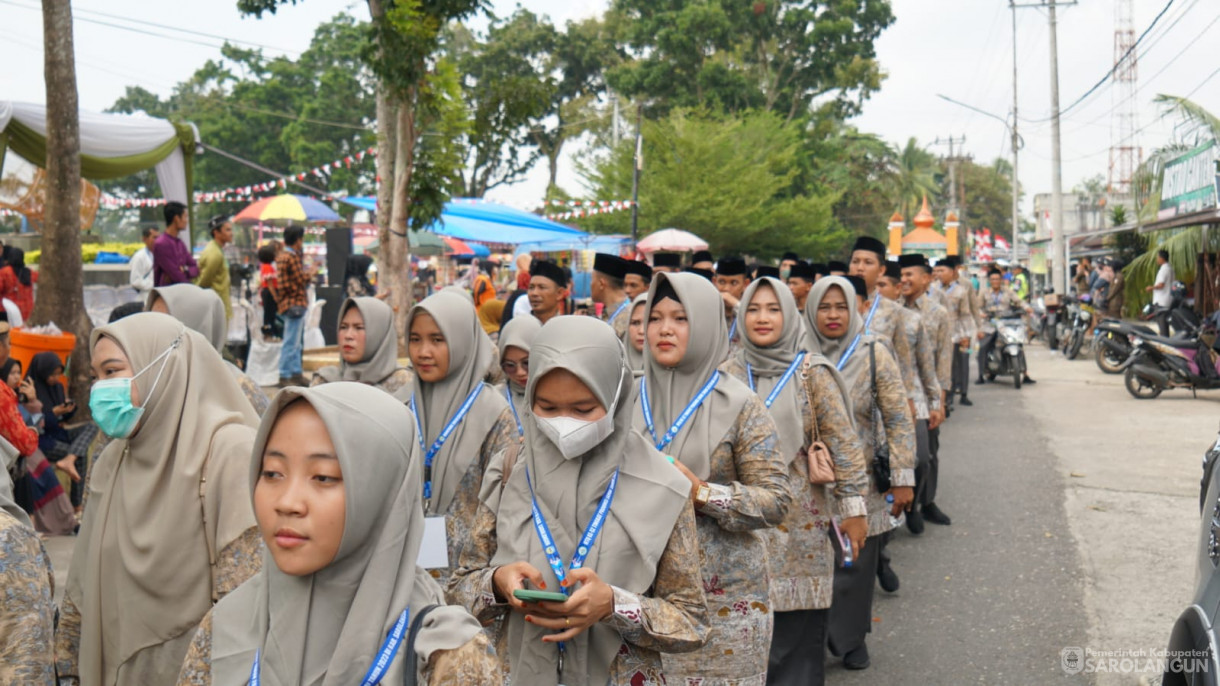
110 399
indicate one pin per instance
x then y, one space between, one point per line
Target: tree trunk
387 127
60 292
396 253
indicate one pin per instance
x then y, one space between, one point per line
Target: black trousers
798 648
961 371
927 471
271 323
985 349
1162 322
851 613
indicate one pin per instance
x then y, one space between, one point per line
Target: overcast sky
961 48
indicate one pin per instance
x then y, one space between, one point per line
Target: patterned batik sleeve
470 585
942 332
673 617
197 667
896 418
759 497
903 354
925 364
27 615
67 642
836 429
238 561
474 662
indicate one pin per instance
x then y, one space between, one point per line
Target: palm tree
913 176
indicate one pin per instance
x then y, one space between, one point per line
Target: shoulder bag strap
410 669
882 447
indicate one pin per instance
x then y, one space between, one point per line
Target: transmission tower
1125 153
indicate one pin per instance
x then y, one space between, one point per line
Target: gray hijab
635 360
327 627
834 348
648 499
201 309
670 390
470 354
767 365
519 332
380 358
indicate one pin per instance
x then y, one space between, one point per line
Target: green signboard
1188 183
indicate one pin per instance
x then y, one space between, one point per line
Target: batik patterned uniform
621 320
927 386
473 663
975 312
898 430
240 560
992 304
800 558
27 612
887 325
669 618
957 302
940 331
749 494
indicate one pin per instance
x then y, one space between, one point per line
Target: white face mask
575 437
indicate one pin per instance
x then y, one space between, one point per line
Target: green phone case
529 596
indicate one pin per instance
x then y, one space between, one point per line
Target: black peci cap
836 266
893 270
766 270
913 260
789 256
666 259
701 256
950 261
731 266
705 273
550 270
610 265
638 268
804 270
871 245
858 284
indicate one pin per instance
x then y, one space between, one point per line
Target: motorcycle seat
1179 341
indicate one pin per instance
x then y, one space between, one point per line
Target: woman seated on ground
462 423
335 479
368 349
515 342
202 310
27 615
806 397
64 447
168 530
635 591
38 491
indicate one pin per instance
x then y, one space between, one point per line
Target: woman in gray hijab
591 510
879 401
724 441
27 615
461 421
368 349
634 339
515 340
335 482
807 400
202 310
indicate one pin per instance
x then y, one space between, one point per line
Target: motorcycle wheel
1018 371
1074 343
1106 360
1138 388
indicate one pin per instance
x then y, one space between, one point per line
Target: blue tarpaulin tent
487 222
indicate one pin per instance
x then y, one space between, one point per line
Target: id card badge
434 550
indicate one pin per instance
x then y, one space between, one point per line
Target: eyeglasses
511 367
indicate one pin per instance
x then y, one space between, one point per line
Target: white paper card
434 551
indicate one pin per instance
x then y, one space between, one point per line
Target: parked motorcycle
1079 318
1112 343
1007 356
1157 364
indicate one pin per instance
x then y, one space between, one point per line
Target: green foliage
988 197
726 178
778 55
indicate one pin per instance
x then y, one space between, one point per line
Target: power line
1109 74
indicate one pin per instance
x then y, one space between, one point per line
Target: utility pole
1059 243
952 160
614 131
635 180
1016 146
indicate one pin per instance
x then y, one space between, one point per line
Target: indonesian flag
1002 245
984 237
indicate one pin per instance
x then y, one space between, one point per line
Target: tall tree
914 177
60 295
726 178
987 202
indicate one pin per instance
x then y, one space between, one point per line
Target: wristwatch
702 495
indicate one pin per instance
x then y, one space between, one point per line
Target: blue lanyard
592 529
617 312
509 394
440 440
682 418
783 380
867 323
389 649
732 329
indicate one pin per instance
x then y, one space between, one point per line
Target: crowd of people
692 482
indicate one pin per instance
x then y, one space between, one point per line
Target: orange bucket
26 345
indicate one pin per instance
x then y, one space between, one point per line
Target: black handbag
881 453
410 671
